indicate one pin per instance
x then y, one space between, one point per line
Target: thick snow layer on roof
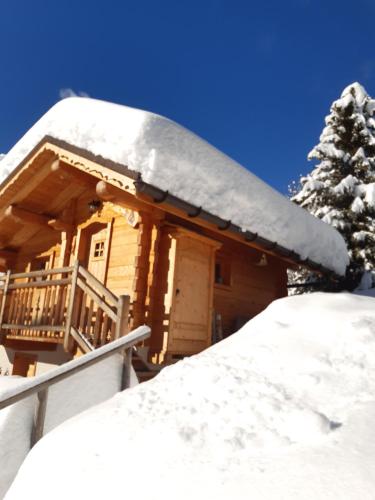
284 409
171 158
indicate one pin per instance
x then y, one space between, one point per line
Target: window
99 250
222 270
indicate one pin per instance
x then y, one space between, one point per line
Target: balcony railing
61 305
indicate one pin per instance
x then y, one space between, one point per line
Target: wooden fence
61 305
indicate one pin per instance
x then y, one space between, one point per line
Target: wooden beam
26 216
60 225
108 192
71 174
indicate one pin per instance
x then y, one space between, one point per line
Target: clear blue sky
254 78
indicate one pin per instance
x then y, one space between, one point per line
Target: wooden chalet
89 251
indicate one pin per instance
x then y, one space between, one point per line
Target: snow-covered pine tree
340 190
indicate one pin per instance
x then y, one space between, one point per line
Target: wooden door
192 294
94 245
98 253
24 365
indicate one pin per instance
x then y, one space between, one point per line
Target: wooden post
126 369
3 302
122 316
142 269
72 298
40 414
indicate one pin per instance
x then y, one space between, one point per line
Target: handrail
41 273
94 282
39 284
95 297
74 366
40 384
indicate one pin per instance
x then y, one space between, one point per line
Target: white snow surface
172 158
65 399
282 410
15 429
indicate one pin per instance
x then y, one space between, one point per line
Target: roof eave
159 196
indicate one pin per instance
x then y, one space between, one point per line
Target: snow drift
65 399
15 428
283 409
171 158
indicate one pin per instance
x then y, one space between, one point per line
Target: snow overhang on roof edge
192 211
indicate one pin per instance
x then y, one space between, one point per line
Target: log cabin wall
42 250
121 244
246 282
122 256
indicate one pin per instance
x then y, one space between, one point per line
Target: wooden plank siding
122 258
254 284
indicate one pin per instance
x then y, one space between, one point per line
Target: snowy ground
65 399
15 428
284 409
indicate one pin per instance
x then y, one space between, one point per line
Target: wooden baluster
19 308
4 298
46 307
56 307
24 302
25 299
90 323
59 304
13 302
82 318
29 305
104 333
53 306
97 326
63 302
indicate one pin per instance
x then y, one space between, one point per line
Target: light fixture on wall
262 261
94 206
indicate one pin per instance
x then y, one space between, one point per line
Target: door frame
83 242
179 233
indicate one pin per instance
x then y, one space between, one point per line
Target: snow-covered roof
173 159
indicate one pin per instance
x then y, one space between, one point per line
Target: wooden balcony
63 305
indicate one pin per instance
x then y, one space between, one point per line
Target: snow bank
15 428
171 158
283 409
65 399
